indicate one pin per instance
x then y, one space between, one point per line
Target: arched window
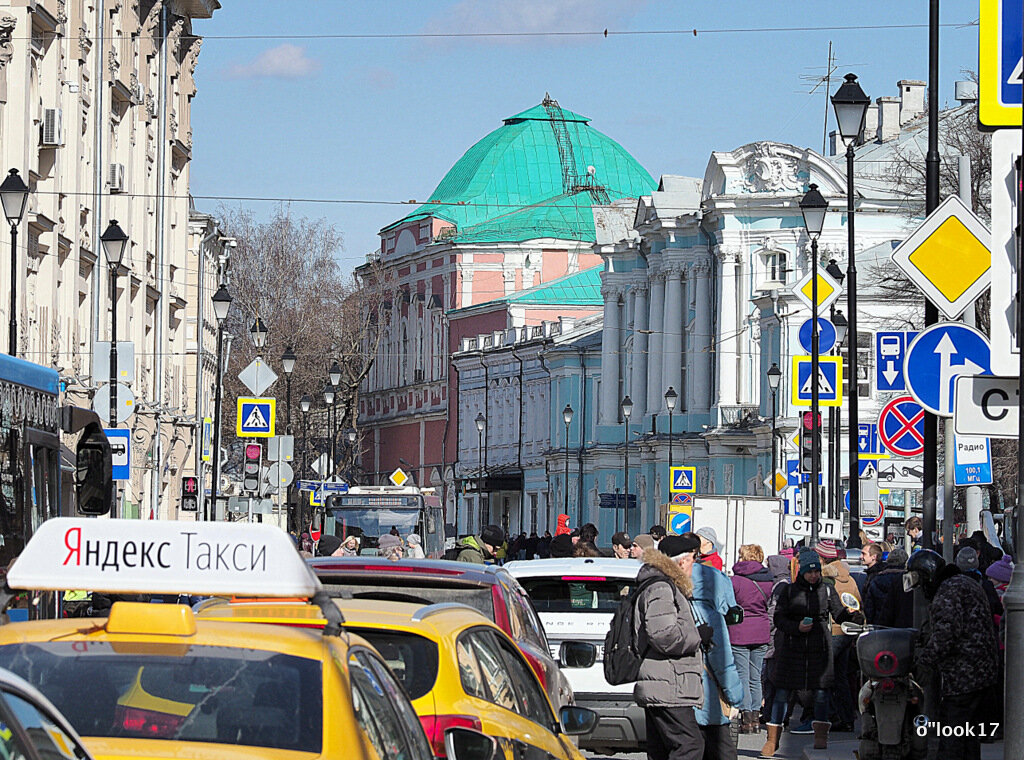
403 357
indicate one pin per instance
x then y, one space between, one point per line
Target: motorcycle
890 700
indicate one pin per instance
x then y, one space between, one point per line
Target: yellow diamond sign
828 290
948 257
399 477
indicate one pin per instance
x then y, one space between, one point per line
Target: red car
488 588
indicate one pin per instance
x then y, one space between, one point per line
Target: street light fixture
305 403
671 397
221 306
114 241
288 363
334 373
627 411
851 107
258 331
813 207
330 394
14 197
567 415
774 378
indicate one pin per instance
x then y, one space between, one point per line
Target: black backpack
621 658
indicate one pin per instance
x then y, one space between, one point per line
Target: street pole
113 346
853 396
565 509
215 485
670 443
815 427
12 340
775 454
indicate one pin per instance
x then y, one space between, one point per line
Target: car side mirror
577 720
577 654
467 744
734 615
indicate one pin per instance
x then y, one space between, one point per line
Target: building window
775 265
533 514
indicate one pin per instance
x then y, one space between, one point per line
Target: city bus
369 512
40 477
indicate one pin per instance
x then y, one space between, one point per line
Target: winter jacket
672 667
471 549
880 579
752 584
712 560
843 583
778 566
898 610
961 640
712 598
804 660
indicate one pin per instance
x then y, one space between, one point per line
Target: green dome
538 175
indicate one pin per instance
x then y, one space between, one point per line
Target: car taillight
887 662
538 668
152 725
500 610
887 685
435 726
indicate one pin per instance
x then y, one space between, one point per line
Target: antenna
824 80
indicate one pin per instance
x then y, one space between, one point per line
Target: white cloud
532 16
282 62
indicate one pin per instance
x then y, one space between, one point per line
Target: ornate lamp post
567 415
14 197
481 423
671 397
774 378
626 406
114 242
836 419
288 363
221 306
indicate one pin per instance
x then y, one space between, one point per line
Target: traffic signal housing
253 464
190 494
807 444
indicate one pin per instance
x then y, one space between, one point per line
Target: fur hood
665 565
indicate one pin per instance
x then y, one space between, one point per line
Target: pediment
770 168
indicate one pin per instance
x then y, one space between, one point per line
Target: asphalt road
790 747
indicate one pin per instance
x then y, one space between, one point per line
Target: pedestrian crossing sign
255 418
684 480
830 381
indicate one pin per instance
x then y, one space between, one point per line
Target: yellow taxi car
458 667
152 681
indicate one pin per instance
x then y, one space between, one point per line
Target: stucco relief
767 171
728 477
7 24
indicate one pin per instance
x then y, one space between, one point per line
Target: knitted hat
673 546
827 550
644 541
709 533
1000 571
414 540
492 534
809 561
967 559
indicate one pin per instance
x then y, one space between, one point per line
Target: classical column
611 343
671 370
700 356
655 392
638 358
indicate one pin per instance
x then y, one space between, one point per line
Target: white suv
576 599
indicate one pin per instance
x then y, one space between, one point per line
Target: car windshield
371 523
412 658
194 693
577 593
415 589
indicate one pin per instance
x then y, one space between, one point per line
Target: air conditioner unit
53 127
115 178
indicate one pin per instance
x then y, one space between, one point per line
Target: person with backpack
752 583
655 642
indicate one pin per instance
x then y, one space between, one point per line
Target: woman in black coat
804 614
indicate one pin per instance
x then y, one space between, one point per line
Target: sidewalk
840 747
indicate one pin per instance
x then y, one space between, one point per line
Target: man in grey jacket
670 683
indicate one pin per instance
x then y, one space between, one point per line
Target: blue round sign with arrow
937 357
826 335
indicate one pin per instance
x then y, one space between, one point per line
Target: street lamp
813 207
258 331
288 362
567 415
114 241
334 373
851 106
774 378
627 411
329 396
481 423
221 306
14 197
305 403
350 436
671 397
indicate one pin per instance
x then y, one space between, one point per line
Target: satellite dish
591 171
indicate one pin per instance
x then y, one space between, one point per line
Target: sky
322 102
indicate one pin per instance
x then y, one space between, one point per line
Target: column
671 371
700 365
655 393
610 346
638 358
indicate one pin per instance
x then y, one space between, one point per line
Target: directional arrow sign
826 335
937 357
890 352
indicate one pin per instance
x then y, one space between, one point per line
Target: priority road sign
947 257
120 452
890 351
779 479
826 335
399 477
931 368
901 427
255 417
684 480
972 461
830 381
828 290
987 406
999 64
257 377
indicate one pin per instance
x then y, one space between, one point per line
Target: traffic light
807 444
253 462
190 494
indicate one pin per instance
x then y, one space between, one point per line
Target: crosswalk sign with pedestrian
684 480
255 418
830 381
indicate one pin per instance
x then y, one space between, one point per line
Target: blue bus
34 462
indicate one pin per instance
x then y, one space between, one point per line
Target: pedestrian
803 649
837 572
327 545
544 545
562 525
589 533
710 548
961 646
999 573
415 547
898 609
914 527
482 549
531 545
585 549
349 547
641 543
670 685
778 566
621 545
390 547
967 561
561 546
657 532
752 584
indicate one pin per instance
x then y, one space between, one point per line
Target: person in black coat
881 576
804 614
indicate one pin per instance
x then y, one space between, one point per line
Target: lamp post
14 197
221 306
481 423
851 106
567 414
841 325
774 378
627 412
329 396
288 362
813 207
671 397
258 331
351 434
114 241
304 405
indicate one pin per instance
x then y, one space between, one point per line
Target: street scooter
890 700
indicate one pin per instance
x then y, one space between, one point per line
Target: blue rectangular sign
868 441
890 350
684 480
120 452
972 461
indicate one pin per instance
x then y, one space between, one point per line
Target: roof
536 176
460 573
580 289
581 566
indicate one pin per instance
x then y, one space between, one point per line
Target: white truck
739 520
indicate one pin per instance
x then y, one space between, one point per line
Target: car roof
453 573
585 566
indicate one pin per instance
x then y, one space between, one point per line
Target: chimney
870 124
833 142
912 99
567 323
966 92
888 117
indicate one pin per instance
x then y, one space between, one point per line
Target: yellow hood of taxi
132 749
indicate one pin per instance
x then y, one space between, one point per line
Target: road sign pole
815 427
949 447
851 355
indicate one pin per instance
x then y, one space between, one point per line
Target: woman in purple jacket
752 584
